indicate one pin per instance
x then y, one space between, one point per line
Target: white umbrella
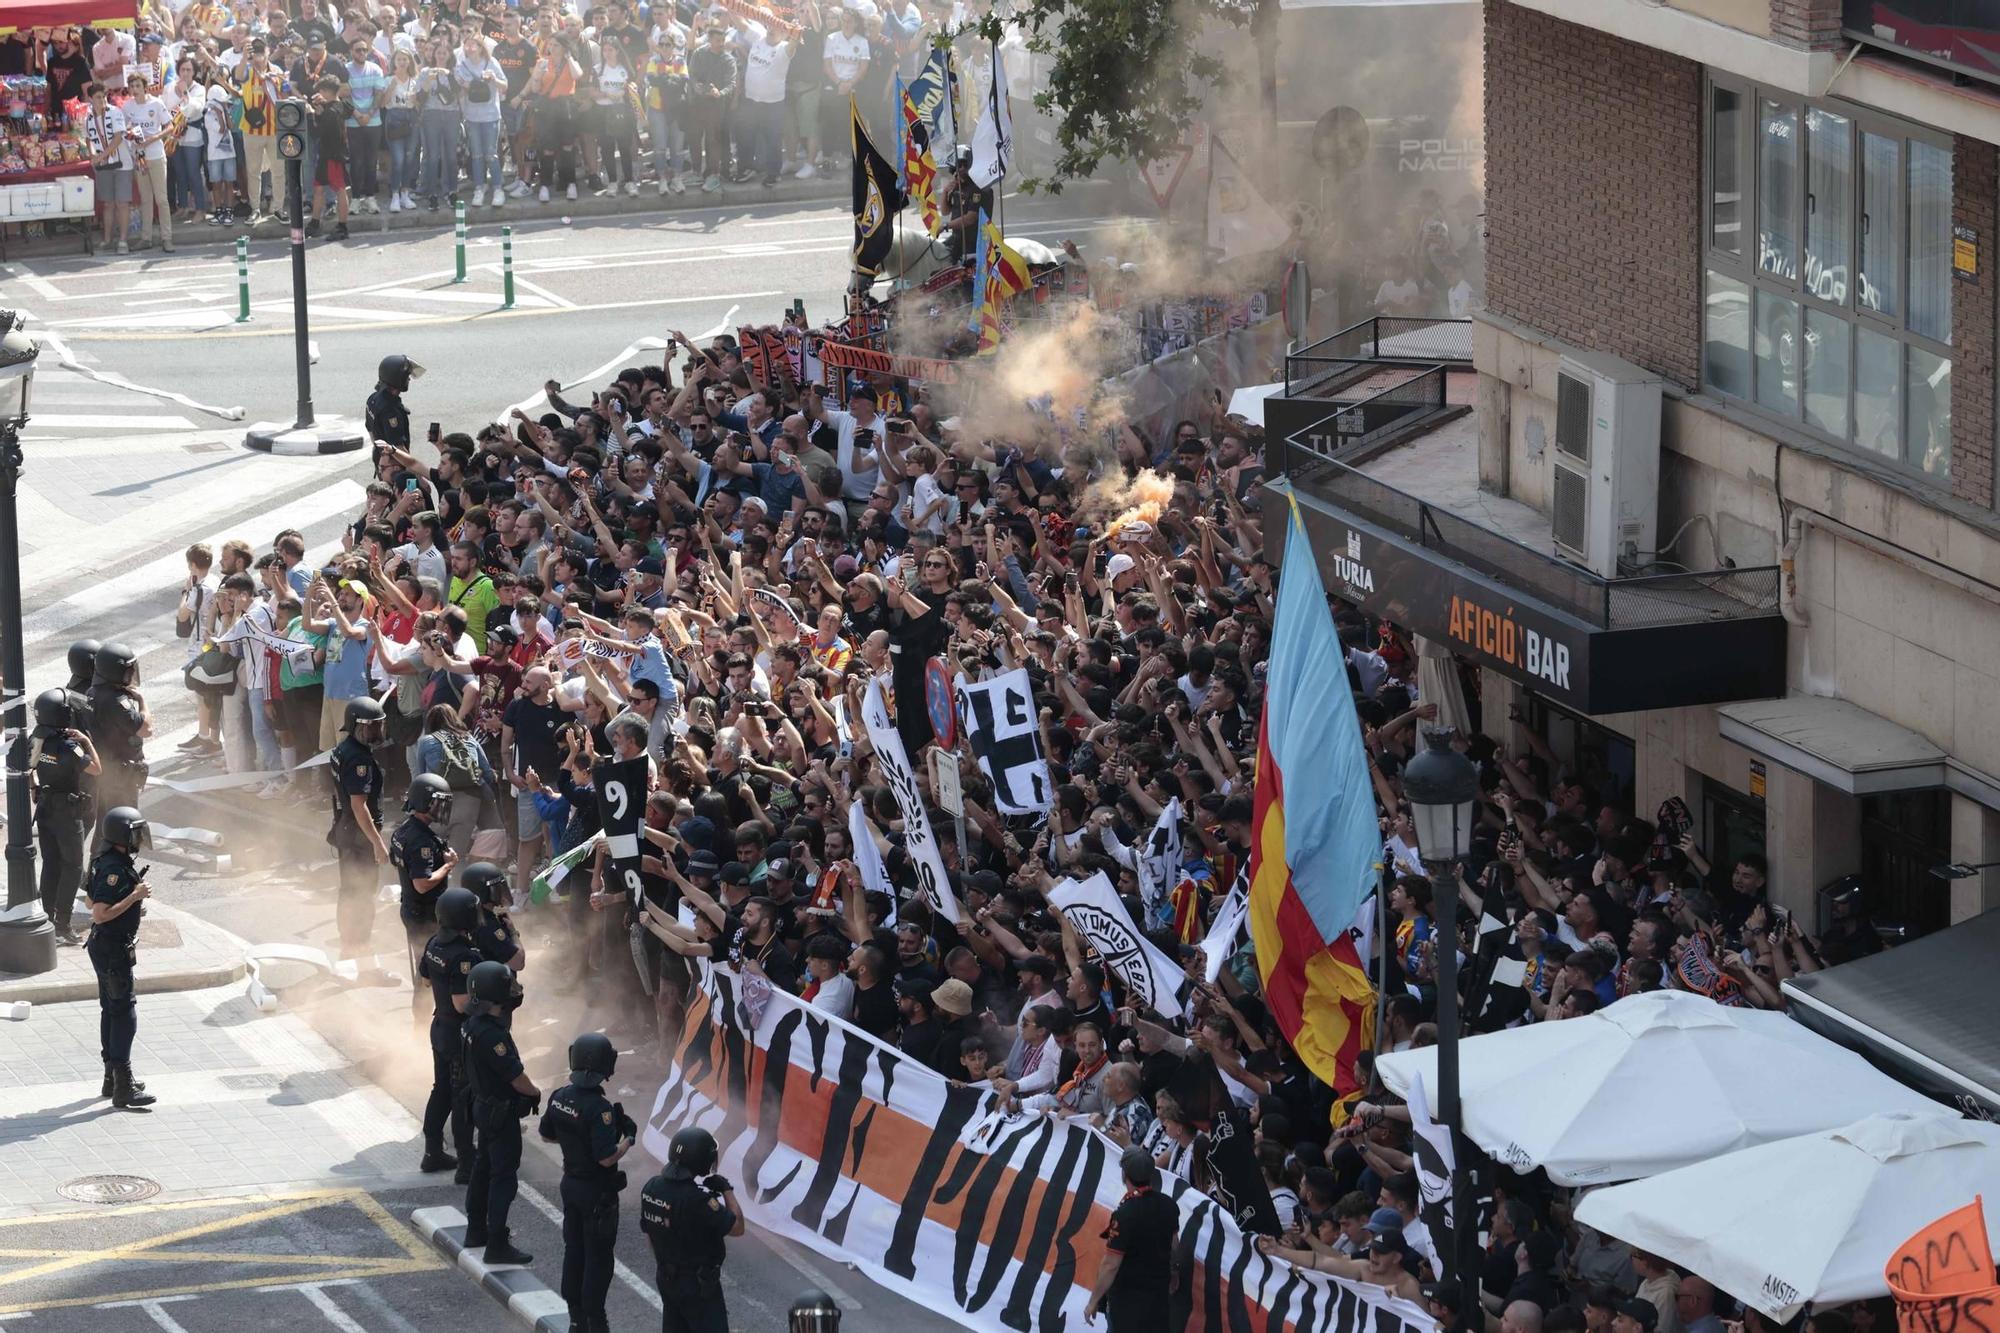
1248 402
1437 683
1812 1219
1651 1083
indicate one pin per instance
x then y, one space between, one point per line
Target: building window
1827 290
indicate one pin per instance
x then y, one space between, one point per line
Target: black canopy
1928 1013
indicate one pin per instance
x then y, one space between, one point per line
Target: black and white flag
999 719
918 839
621 802
1093 910
1159 857
1430 1146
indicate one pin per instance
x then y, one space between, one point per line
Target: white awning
1831 740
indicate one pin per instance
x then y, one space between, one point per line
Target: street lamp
1441 785
27 940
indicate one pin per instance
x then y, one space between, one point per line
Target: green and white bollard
458 212
242 279
507 267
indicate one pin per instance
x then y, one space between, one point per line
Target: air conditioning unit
1605 495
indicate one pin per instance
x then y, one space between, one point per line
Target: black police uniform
447 963
417 850
1142 1232
961 197
492 1064
114 952
62 824
354 773
588 1127
117 717
388 418
687 1227
494 940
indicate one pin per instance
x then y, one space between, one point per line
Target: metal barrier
1391 339
1624 603
1373 418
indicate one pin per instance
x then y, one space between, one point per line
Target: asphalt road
584 293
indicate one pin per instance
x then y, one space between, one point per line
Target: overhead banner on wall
845 1145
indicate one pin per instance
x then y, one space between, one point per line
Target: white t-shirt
149 115
104 132
1396 297
846 56
221 143
193 104
928 493
835 996
764 68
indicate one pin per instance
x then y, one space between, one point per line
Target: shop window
1732 826
1828 286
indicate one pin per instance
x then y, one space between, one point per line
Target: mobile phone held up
436 433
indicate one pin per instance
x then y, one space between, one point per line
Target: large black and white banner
851 1148
621 803
1431 1150
918 840
1093 910
999 718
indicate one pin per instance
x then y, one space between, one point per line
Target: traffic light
292 129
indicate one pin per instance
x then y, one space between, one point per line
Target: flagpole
993 109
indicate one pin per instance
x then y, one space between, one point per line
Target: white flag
993 137
918 840
1159 860
1223 932
1093 910
868 859
1240 220
1000 722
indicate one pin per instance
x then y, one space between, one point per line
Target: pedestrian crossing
69 404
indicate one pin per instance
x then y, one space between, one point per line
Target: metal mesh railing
1372 418
1678 599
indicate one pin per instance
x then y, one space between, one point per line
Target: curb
329 435
832 187
527 1297
36 991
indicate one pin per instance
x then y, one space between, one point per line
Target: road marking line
109 421
619 1267
178 296
380 1305
425 321
322 1302
37 284
562 302
212 1257
158 1314
491 299
387 1268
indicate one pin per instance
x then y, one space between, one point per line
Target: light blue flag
980 276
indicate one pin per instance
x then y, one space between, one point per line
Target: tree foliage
1124 77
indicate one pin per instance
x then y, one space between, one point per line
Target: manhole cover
109 1189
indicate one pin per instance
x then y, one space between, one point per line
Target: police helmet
592 1058
363 713
961 158
117 666
125 828
429 794
487 881
55 710
83 663
396 372
815 1312
458 909
690 1154
491 982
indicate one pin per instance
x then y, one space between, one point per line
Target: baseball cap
1385 1220
703 862
735 873
845 567
1118 564
1391 1242
781 868
1444 1291
1643 1313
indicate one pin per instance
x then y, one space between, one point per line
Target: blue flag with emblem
980 277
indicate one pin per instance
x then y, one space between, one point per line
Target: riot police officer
62 761
447 964
119 726
388 419
964 202
424 862
594 1134
493 937
502 1093
82 659
356 835
118 892
687 1212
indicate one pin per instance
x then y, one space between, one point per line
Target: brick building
1781 213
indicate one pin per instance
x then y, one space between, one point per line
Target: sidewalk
177 952
827 187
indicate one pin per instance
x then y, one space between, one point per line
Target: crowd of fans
421 105
708 570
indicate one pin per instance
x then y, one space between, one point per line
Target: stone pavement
248 1102
177 952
